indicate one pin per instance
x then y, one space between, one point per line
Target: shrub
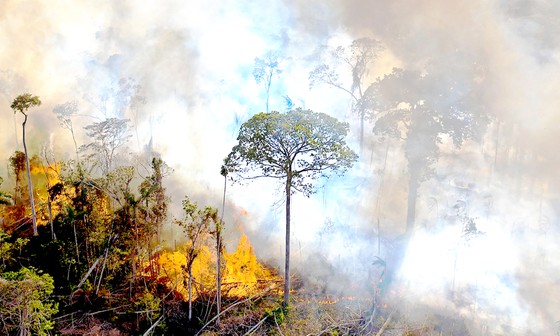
25 307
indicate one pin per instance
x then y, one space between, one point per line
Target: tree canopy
107 136
301 144
422 108
298 147
265 68
357 59
23 102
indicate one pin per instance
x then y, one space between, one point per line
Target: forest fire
334 300
243 276
393 162
48 191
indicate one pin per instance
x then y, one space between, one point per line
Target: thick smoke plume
181 71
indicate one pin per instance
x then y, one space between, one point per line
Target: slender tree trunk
49 199
362 122
287 261
218 273
49 207
105 260
219 257
149 241
135 254
190 292
411 205
102 269
76 241
75 146
29 183
87 249
268 83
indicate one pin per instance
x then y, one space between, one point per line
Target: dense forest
296 168
83 250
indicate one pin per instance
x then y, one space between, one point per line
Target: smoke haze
181 71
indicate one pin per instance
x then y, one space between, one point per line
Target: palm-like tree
21 104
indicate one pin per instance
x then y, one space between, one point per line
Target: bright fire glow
243 276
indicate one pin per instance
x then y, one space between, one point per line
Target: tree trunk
29 183
76 242
287 261
135 254
49 199
219 257
218 275
362 122
103 268
49 207
75 146
411 205
268 83
190 292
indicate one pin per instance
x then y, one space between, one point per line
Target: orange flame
243 276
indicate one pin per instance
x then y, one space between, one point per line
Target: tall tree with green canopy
298 147
21 104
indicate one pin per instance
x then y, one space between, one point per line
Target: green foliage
17 163
297 147
25 307
422 108
277 314
196 225
5 198
8 249
301 145
23 102
118 184
107 136
148 305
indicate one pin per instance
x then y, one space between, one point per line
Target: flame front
243 274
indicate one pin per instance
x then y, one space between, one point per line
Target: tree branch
234 305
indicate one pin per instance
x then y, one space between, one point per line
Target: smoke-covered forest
281 168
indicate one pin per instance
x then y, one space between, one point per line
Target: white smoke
194 61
